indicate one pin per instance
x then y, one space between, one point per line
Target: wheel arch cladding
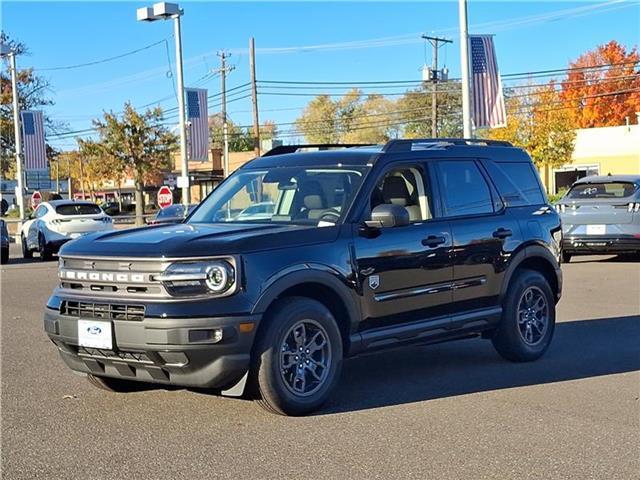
317 285
538 259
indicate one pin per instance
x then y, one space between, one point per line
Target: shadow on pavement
580 349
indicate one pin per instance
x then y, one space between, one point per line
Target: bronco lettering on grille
102 276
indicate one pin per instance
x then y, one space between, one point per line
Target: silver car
601 214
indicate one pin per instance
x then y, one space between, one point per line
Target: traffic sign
165 197
36 199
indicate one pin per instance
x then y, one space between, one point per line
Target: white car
56 222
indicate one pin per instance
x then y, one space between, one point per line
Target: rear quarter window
78 209
517 183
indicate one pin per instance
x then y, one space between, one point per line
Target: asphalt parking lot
453 410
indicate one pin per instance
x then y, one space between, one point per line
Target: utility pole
464 68
254 97
16 130
435 77
225 127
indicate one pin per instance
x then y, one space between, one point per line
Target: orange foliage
583 88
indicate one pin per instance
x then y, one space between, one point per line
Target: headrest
394 190
312 195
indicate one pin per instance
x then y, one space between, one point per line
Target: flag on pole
35 153
488 101
198 118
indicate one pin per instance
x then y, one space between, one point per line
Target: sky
295 41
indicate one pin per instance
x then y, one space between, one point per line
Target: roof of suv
395 149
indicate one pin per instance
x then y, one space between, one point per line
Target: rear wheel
298 357
566 257
4 256
528 318
26 253
43 248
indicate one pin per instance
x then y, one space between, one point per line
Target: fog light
209 335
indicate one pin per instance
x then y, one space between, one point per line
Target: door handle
502 233
433 241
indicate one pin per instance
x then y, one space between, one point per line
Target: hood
195 240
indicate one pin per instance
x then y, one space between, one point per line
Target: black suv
365 248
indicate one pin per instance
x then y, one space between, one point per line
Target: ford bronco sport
365 248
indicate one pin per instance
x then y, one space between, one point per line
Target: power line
97 62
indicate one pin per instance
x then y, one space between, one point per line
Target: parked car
4 242
110 208
54 223
601 214
172 214
416 242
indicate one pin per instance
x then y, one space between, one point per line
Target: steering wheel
331 215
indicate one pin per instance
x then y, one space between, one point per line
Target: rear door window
464 189
78 209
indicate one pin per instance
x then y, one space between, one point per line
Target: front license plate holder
95 334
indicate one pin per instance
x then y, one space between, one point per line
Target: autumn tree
32 94
416 106
137 143
603 96
537 122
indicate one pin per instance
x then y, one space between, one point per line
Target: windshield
602 190
300 195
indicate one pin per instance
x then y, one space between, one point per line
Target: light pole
166 11
464 67
6 51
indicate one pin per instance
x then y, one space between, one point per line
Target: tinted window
172 211
517 182
464 189
78 209
602 190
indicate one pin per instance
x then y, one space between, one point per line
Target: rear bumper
160 350
601 244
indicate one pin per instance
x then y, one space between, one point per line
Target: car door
404 272
33 228
484 233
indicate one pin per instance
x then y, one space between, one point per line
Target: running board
425 331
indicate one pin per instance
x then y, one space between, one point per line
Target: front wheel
26 253
566 257
528 318
298 357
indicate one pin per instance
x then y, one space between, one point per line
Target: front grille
107 311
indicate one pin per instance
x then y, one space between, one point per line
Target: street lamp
7 52
166 11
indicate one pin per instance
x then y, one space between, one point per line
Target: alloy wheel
533 315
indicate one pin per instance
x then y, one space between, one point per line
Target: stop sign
165 197
36 199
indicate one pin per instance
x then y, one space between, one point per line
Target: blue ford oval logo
94 330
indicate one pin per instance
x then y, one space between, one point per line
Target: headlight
217 277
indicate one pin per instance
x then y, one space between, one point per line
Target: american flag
488 101
35 153
198 118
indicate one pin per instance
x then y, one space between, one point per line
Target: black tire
276 385
509 339
26 253
44 249
116 385
4 256
566 257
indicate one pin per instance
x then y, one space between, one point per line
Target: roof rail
282 149
394 146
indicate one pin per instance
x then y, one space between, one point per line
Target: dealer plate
596 229
95 334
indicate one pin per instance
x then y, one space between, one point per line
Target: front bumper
601 244
160 350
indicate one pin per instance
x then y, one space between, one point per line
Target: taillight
633 207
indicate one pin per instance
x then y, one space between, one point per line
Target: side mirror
388 215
